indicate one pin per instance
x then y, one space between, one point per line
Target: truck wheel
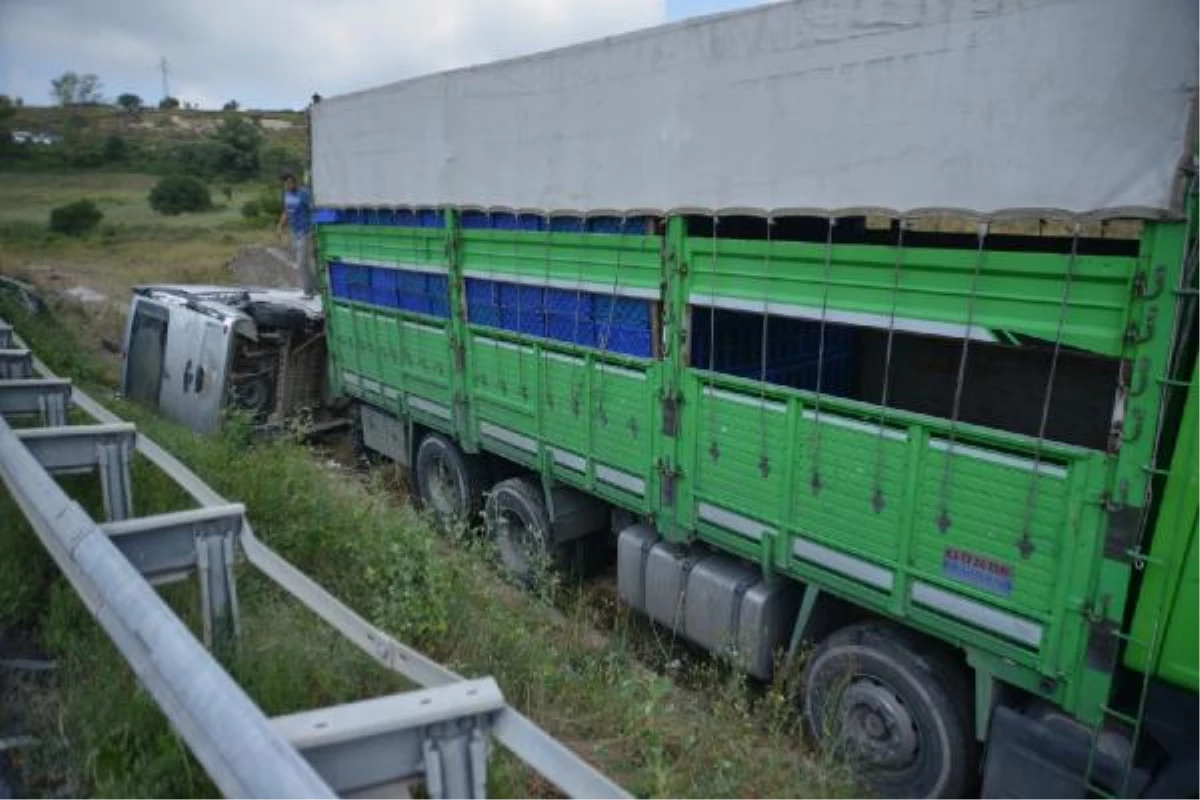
449 482
518 523
896 710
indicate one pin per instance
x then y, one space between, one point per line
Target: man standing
297 214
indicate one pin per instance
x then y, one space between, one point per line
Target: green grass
120 196
716 737
132 245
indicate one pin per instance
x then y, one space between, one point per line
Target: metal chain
1025 544
944 520
878 500
612 307
764 461
714 449
815 482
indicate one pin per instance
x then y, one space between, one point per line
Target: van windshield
144 359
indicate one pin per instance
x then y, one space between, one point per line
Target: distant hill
154 130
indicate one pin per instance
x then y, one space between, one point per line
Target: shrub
75 219
266 207
116 149
276 161
179 194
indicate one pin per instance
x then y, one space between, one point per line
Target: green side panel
505 392
605 263
830 491
397 360
988 539
388 358
425 358
1014 292
1165 618
566 408
366 244
584 418
342 338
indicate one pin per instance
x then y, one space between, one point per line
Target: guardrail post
218 597
15 363
115 482
49 397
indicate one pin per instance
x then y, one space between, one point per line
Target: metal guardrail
438 735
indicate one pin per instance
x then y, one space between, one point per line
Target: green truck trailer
864 337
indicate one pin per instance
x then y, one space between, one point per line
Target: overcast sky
276 53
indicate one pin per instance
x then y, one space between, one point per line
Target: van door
142 372
208 383
184 329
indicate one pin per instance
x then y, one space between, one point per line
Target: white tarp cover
990 107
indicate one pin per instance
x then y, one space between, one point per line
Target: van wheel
894 708
519 524
449 482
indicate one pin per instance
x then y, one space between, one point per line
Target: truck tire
450 483
519 525
897 709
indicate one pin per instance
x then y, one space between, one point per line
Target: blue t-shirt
299 210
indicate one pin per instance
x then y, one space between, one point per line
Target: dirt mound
259 265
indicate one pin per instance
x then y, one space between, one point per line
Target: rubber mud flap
1027 757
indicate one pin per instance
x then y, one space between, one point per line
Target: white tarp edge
1053 106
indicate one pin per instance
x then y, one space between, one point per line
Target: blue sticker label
979 571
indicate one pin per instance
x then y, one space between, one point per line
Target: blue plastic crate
384 283
571 329
477 220
518 297
625 312
339 279
531 323
384 297
484 315
568 224
360 283
569 301
438 305
630 341
437 284
630 226
482 292
412 282
473 220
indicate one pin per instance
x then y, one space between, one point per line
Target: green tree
179 194
232 105
7 110
116 149
277 160
266 207
168 103
73 89
129 103
242 139
75 219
